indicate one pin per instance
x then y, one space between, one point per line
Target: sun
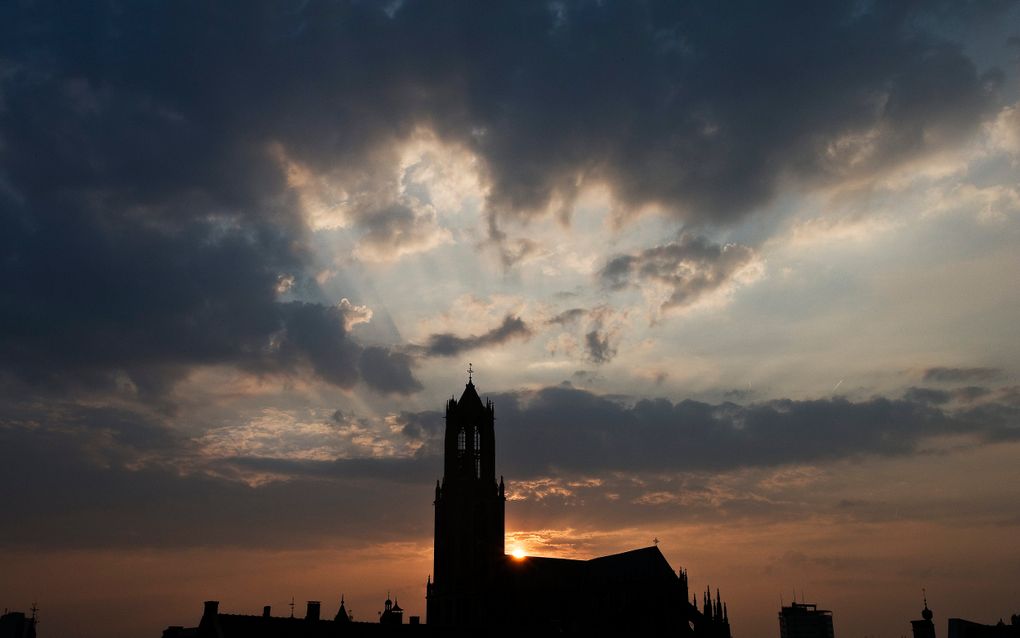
518 553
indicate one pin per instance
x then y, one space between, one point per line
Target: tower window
461 440
478 439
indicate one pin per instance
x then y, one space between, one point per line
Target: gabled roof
646 564
638 564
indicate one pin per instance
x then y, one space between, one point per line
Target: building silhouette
960 628
476 588
805 620
924 628
15 624
215 624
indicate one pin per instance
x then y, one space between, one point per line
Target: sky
741 277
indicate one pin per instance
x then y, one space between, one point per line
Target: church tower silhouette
469 508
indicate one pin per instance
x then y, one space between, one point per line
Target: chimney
210 619
265 611
313 610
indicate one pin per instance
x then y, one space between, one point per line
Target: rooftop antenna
35 608
291 606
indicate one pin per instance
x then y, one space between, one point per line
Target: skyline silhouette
479 588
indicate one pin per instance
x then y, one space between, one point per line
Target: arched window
461 440
478 440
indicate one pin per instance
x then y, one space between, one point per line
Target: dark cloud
567 316
602 334
598 344
960 375
425 427
84 477
388 371
689 267
574 431
397 228
967 394
927 395
702 109
970 393
447 344
66 500
144 230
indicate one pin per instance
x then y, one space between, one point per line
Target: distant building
924 628
15 624
392 613
960 628
219 625
805 620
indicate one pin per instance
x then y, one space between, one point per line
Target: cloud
388 371
927 395
603 334
562 429
959 375
966 394
399 229
124 478
567 316
598 346
448 344
688 269
155 505
176 100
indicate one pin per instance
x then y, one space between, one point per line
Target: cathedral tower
469 514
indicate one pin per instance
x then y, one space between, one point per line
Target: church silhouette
477 588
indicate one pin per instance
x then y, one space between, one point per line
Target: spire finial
470 372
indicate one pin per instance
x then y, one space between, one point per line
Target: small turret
342 614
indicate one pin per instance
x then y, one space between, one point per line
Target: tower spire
470 372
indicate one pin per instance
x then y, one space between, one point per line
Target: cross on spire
470 372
